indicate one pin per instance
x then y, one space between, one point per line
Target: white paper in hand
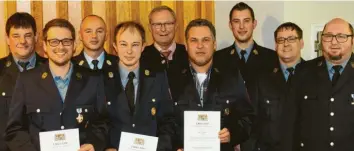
201 130
137 142
61 140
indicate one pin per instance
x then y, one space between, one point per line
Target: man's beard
335 58
60 63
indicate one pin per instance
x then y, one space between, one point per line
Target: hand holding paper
224 135
87 147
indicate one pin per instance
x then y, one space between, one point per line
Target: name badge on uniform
79 117
352 101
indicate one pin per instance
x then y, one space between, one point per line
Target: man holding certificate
57 106
210 103
138 97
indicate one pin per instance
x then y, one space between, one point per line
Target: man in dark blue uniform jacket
21 36
138 96
93 33
57 96
324 94
203 86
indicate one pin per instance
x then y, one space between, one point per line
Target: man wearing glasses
164 53
57 96
324 97
274 87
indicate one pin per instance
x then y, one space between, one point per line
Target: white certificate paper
137 142
201 130
61 140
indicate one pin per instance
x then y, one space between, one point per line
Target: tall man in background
245 54
164 53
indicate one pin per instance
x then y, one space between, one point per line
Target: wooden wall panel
74 13
111 22
62 9
9 9
37 12
180 21
123 14
3 45
113 12
86 8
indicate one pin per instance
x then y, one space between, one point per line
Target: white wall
271 14
306 14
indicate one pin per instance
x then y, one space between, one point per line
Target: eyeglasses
166 25
290 39
64 42
341 38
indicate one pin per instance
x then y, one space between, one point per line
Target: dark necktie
23 65
243 58
336 74
95 64
291 74
129 91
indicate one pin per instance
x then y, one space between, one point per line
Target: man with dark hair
164 53
204 86
57 96
245 54
275 88
93 34
21 37
324 94
138 94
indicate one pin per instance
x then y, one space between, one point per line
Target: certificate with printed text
61 140
201 131
137 142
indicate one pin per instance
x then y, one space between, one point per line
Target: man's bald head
339 21
337 41
93 33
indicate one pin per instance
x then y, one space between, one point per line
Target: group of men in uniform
268 100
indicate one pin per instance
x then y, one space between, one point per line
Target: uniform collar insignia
216 70
232 52
44 75
109 62
352 64
81 62
255 51
319 63
275 70
8 63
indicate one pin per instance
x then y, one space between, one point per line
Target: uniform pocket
271 107
37 114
